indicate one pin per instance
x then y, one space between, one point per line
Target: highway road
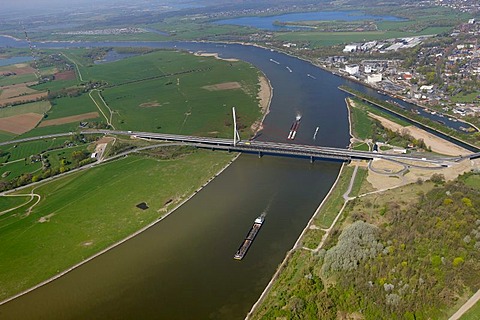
263 148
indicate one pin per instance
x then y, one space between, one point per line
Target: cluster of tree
20 102
65 92
57 60
47 172
95 54
120 147
136 50
77 158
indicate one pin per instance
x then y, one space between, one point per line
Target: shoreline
265 96
118 243
284 262
295 247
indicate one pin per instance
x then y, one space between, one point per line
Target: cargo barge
242 250
294 128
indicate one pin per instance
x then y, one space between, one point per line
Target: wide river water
183 267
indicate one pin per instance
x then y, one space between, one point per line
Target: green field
180 103
335 201
62 128
361 124
473 313
358 183
40 107
55 85
7 203
163 91
18 168
361 146
26 149
79 221
5 136
473 181
16 161
16 79
65 107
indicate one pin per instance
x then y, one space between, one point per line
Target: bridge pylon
236 135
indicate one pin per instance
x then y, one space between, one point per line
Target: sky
43 5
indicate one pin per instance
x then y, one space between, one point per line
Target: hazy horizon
47 5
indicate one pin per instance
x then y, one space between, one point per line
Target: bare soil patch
106 140
46 218
78 117
437 144
385 180
223 86
215 55
65 75
264 98
150 104
21 123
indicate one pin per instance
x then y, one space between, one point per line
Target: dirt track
223 86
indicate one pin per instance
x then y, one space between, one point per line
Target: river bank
116 244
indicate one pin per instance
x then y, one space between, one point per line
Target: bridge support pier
312 159
260 154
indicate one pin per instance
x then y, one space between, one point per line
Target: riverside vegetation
403 255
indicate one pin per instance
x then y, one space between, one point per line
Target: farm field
16 74
145 98
39 107
159 91
20 123
76 212
70 106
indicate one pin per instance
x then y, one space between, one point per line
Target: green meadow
70 106
473 313
40 107
165 91
162 91
74 219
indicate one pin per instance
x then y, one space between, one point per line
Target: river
183 267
